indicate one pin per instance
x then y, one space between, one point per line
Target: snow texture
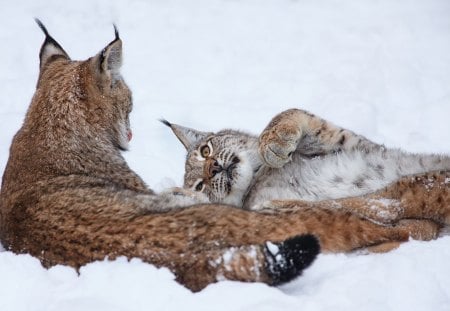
380 68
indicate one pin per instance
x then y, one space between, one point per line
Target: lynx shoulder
69 197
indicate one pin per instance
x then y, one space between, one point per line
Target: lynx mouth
232 167
256 169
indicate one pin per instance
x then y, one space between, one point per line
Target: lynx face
220 165
115 106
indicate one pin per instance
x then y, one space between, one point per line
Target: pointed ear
50 49
188 137
109 60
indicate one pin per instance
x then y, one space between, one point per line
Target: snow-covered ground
380 68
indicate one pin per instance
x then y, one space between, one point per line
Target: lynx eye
205 151
199 186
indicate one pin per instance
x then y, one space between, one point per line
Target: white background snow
380 68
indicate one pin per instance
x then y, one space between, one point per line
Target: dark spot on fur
337 179
421 163
359 183
347 236
308 113
380 170
439 200
342 140
437 161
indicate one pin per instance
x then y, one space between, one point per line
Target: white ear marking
50 48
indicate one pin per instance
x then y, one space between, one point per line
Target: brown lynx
68 196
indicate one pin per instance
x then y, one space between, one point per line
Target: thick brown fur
68 196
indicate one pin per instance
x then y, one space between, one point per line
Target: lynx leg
424 196
303 132
271 263
381 211
420 229
420 196
423 230
340 230
384 247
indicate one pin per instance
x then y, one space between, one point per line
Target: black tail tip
287 260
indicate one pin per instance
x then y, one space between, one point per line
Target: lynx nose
212 168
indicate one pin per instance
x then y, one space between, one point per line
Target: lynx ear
50 49
188 137
109 60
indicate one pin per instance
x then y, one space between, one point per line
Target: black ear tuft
165 122
38 21
109 60
50 49
116 32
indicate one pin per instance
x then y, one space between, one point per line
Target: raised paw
421 229
277 143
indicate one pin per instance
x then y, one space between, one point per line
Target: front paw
266 207
273 207
278 142
379 210
194 197
421 229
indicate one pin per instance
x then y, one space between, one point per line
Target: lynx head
82 101
222 165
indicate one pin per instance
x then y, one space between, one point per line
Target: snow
273 248
380 68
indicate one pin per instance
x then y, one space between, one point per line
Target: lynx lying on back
298 157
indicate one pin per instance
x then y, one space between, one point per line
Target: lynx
300 156
68 196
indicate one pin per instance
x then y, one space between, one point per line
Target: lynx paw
194 196
265 207
277 143
423 230
272 207
383 211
